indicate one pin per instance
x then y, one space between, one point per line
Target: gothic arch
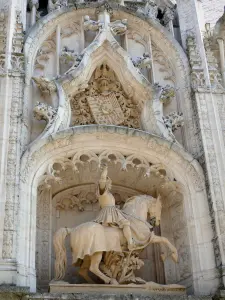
185 169
159 35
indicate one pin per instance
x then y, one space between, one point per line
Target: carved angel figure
118 27
91 24
142 62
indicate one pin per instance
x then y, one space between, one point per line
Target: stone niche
70 200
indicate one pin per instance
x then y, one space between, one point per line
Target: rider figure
110 215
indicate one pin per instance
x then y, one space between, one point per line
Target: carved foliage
197 74
121 266
45 85
3 19
45 112
75 200
173 121
213 66
44 52
162 61
167 95
80 158
43 235
11 205
18 36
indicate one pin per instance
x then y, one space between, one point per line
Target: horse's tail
60 252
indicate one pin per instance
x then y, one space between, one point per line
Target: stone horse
90 240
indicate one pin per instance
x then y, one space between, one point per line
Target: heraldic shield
106 109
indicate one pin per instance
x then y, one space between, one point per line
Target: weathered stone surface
96 63
97 296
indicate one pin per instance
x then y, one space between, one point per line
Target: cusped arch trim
186 170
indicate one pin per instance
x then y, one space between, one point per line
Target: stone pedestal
147 289
99 292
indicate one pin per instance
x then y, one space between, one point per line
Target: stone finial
105 6
169 15
34 3
151 9
56 4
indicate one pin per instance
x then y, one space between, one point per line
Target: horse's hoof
163 257
113 281
175 257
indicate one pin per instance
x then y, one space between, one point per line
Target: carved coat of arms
106 109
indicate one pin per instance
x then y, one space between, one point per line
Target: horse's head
155 209
142 205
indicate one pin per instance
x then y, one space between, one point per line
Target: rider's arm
103 179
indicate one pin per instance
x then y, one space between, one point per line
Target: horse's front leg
94 268
162 240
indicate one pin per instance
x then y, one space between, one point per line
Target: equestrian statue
110 245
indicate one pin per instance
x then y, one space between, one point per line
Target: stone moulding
44 151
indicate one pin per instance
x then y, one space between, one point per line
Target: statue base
143 289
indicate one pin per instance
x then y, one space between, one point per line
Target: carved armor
110 215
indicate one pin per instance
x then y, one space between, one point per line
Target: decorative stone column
58 48
205 101
168 19
11 87
34 4
222 58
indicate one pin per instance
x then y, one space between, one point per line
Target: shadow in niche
42 9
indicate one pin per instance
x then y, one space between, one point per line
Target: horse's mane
137 197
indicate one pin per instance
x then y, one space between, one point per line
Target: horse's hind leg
83 272
94 268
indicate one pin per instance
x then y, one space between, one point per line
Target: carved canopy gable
104 102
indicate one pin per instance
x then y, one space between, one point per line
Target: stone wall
213 10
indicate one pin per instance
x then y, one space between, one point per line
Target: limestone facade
138 84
